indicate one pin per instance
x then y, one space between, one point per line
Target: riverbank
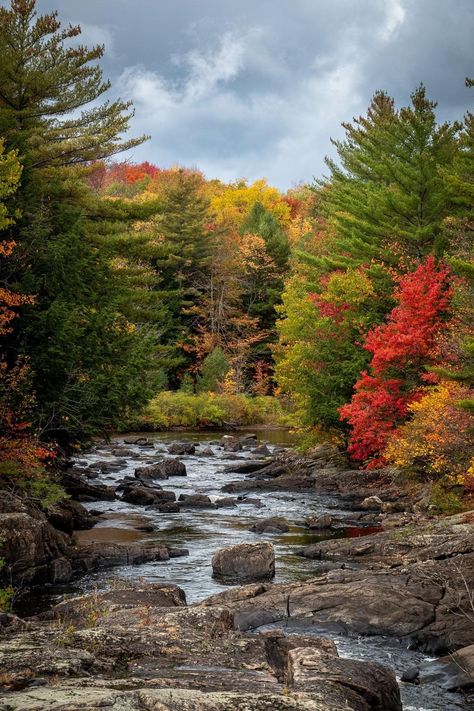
149 500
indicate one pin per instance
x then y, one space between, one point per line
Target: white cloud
279 134
395 17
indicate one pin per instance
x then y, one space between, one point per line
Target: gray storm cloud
255 89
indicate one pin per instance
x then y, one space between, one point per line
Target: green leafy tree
214 368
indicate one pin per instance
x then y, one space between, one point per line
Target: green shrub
446 501
183 409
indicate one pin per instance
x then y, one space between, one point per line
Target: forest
295 366
137 294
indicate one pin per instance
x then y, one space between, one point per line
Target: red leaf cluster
401 348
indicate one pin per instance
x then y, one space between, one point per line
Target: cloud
231 133
396 15
258 88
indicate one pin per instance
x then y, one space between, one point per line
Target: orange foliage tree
17 445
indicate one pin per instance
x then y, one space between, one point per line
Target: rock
372 503
108 466
77 610
33 551
68 516
319 522
271 525
153 471
147 496
182 448
246 467
206 452
230 443
10 621
251 501
245 562
140 441
122 452
261 451
249 438
168 507
411 675
309 668
81 490
271 470
200 501
140 495
225 502
278 646
454 672
174 467
162 469
93 556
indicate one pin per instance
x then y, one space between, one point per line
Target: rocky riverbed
305 612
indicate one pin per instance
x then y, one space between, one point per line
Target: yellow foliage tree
439 437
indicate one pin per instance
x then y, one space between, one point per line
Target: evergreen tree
387 198
88 361
214 368
184 264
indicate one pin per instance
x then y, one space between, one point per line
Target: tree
387 199
401 350
214 368
184 265
87 359
17 444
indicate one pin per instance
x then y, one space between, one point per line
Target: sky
257 88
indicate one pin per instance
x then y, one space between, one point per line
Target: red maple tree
401 349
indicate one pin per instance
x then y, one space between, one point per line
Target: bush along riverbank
209 410
259 645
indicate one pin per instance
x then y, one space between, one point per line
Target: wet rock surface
128 644
140 647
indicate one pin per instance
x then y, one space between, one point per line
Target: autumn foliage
401 348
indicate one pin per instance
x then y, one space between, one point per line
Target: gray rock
453 672
319 522
372 503
271 525
182 448
245 562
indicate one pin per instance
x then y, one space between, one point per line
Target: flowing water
203 531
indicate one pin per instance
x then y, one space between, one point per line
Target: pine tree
184 265
387 199
89 363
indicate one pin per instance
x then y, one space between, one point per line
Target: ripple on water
203 531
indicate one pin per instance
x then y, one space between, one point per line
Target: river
203 531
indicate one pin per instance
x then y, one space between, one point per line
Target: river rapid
203 531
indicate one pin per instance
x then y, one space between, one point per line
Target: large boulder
93 556
310 668
68 516
33 550
245 562
80 490
122 596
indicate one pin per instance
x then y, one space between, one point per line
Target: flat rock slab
77 698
